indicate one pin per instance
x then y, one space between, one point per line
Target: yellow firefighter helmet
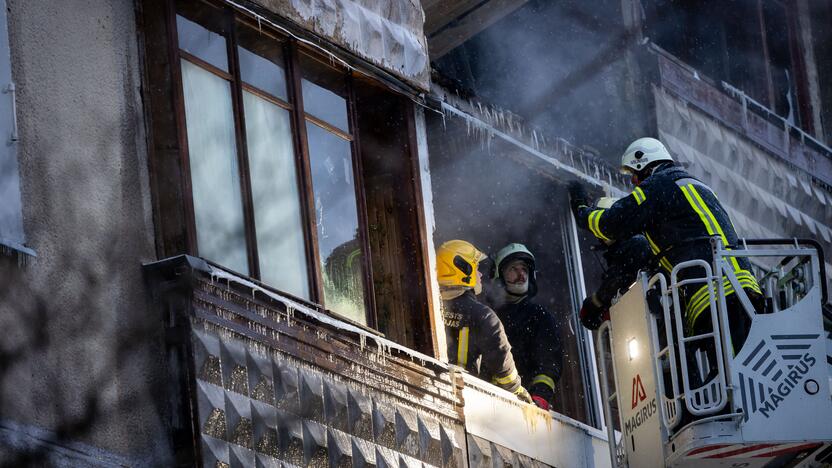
457 262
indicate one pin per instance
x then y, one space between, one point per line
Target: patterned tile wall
266 411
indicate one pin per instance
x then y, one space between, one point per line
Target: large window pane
214 172
202 43
337 218
261 73
275 195
325 105
261 61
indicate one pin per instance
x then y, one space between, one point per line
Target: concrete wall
81 346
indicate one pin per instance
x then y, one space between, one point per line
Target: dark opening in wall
746 43
559 65
483 194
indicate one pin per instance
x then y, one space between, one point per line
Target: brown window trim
304 174
361 202
242 146
298 120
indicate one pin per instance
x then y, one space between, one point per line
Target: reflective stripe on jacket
672 209
478 342
535 344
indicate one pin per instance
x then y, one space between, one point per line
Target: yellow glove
523 395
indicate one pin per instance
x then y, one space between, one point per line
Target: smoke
559 65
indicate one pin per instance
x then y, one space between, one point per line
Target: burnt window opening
488 192
560 65
750 44
275 184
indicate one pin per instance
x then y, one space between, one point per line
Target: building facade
219 216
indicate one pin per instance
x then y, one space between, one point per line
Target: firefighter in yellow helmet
476 338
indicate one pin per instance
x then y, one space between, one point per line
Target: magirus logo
645 412
773 369
638 391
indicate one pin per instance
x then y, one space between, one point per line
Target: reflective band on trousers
700 299
462 347
594 225
544 379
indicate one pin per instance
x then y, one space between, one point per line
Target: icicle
290 314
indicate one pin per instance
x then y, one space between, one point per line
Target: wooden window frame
291 49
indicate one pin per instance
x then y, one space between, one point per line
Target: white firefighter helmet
641 153
512 252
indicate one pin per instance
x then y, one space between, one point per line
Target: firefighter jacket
677 214
624 257
535 344
478 342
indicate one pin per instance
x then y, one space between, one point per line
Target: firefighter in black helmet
678 214
532 331
476 338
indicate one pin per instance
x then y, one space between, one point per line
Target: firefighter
476 338
678 215
624 258
532 331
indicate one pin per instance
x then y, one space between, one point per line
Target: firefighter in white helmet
678 215
532 331
476 338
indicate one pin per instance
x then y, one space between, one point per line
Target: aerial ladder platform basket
767 404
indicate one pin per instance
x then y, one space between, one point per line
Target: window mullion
242 150
361 202
307 196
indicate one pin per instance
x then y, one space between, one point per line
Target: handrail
695 400
670 420
601 344
824 293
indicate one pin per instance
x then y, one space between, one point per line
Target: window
11 215
247 172
275 184
331 158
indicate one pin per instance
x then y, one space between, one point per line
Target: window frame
9 138
230 21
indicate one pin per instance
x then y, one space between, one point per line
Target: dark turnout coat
677 214
624 259
478 342
535 343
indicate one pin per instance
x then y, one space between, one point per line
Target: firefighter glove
523 395
540 402
593 314
577 196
